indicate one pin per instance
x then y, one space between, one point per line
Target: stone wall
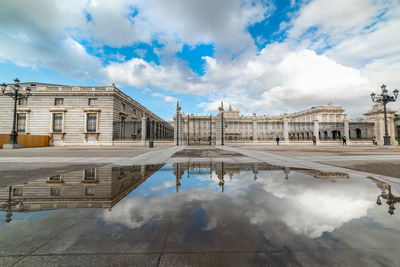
114 109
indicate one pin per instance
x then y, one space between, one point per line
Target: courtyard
294 205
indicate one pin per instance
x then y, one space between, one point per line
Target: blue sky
268 57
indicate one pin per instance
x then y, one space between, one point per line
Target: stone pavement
29 163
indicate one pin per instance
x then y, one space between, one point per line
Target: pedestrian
277 140
374 143
314 140
344 140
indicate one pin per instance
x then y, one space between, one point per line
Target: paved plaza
201 206
24 164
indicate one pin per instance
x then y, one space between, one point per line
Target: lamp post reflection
9 204
390 199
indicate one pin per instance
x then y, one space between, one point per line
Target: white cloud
334 18
275 80
174 23
50 34
166 98
358 34
44 33
356 43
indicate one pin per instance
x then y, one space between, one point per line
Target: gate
199 130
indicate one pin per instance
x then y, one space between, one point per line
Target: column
286 131
181 129
143 170
316 130
144 129
218 130
255 134
177 128
346 130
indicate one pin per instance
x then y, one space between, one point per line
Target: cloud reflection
306 205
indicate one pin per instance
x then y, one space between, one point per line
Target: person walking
314 140
374 143
277 140
344 140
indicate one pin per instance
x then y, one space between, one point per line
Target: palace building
75 115
326 123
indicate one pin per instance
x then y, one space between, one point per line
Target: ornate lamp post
178 109
221 110
15 95
384 98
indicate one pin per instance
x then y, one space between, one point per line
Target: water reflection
389 197
262 193
307 217
221 169
90 188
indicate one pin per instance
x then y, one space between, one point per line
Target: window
122 106
55 178
134 111
17 191
57 122
92 101
59 101
21 122
90 174
54 191
23 101
90 191
92 122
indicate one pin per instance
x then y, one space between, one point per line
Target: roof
41 84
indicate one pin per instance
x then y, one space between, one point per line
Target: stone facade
73 115
326 123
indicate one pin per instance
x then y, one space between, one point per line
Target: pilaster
255 130
286 131
144 129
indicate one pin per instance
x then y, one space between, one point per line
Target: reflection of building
324 174
101 187
325 122
82 114
222 168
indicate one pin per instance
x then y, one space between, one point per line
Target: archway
358 133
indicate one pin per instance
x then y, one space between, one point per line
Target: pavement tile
9 261
91 235
229 259
91 260
17 239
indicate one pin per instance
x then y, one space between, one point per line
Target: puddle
256 213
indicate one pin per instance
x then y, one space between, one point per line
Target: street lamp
221 110
15 95
384 98
178 109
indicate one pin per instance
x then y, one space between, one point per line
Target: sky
268 57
